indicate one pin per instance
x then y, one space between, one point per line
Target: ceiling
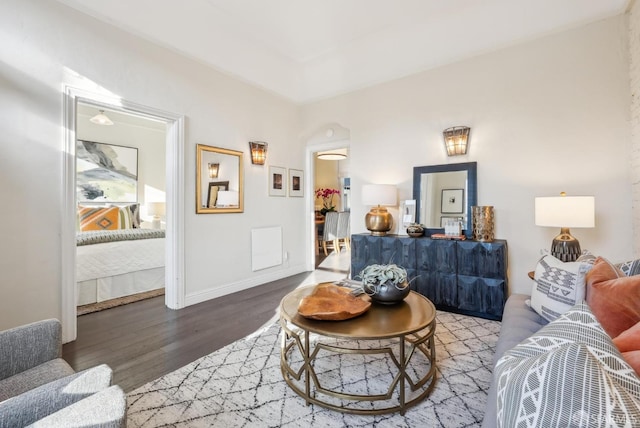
307 50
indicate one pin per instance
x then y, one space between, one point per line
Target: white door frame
315 145
174 253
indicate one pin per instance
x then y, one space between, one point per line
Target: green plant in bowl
385 284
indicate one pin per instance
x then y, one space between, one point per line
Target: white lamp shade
227 198
379 194
565 211
156 208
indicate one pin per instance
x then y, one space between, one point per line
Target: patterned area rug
241 385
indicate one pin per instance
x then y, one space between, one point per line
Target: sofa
573 364
39 389
519 322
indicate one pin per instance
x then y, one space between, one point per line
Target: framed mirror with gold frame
219 180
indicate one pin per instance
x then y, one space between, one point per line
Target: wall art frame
106 172
452 201
296 183
277 181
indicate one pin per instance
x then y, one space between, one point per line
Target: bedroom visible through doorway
121 197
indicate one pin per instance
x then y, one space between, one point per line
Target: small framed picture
452 201
296 183
277 181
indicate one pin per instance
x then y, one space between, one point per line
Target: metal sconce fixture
213 170
456 139
258 152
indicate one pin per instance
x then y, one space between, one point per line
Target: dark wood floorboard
144 340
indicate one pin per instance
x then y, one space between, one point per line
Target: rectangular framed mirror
219 181
444 193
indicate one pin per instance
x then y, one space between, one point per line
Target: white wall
45 45
634 74
547 116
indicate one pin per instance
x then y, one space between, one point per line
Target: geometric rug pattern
241 385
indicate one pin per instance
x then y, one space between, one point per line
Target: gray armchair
39 389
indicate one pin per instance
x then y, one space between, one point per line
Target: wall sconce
213 170
456 139
565 212
101 119
258 152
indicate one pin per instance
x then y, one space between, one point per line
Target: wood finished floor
144 340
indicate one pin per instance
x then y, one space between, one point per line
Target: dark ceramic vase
387 293
415 230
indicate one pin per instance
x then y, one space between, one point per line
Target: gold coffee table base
409 328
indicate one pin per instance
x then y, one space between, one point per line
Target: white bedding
115 269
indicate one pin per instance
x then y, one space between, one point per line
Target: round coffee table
399 333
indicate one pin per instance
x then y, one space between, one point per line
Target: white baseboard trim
223 290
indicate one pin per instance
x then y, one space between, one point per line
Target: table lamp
565 212
378 220
157 210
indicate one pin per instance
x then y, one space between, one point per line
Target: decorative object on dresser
415 230
386 284
379 221
462 276
483 223
564 212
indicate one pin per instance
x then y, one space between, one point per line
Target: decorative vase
387 293
483 223
415 230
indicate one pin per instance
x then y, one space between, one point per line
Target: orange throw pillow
628 340
633 359
614 300
92 218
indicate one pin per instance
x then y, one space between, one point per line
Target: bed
115 263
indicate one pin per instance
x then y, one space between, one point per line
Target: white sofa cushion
569 373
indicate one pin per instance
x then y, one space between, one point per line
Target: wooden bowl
333 303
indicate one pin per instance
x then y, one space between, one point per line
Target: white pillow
558 286
568 374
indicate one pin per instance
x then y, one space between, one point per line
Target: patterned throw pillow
129 216
558 286
630 268
568 374
98 218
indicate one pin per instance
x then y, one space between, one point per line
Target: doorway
174 241
120 171
330 137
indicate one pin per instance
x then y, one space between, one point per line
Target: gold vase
483 223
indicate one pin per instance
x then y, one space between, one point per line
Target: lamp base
565 247
378 221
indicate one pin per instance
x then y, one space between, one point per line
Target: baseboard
223 290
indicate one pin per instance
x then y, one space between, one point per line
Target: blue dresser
466 277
